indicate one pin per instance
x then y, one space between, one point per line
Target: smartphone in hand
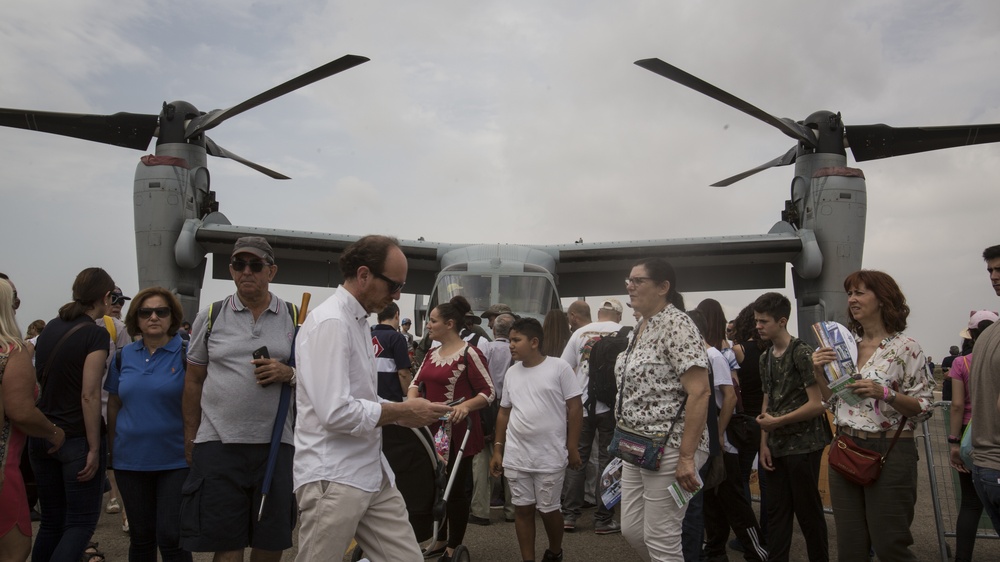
261 353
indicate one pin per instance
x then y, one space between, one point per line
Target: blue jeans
70 509
153 503
987 482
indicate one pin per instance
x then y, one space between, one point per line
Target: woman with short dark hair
146 427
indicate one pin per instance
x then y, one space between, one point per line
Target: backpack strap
214 310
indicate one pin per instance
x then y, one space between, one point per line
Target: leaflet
841 371
611 483
682 496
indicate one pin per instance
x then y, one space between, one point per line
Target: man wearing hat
495 310
112 322
404 328
229 405
984 385
598 420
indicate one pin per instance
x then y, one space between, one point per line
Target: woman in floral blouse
895 383
663 381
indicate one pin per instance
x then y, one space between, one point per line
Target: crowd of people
210 455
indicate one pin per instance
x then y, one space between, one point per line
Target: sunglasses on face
256 266
160 312
17 301
115 299
394 286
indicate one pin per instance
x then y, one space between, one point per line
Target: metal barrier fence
946 494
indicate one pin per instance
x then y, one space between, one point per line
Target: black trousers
726 506
793 491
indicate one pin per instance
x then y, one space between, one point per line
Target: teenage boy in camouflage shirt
793 434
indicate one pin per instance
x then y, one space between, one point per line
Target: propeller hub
173 123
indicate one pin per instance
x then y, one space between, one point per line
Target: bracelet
885 393
954 440
498 443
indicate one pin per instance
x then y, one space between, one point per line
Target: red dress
13 498
465 374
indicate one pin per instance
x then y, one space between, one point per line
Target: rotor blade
870 142
215 150
129 130
785 125
213 118
783 160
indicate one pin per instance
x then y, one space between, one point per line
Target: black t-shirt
392 356
62 378
749 373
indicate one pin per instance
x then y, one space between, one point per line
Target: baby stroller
422 481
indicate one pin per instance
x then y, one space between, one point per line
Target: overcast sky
515 121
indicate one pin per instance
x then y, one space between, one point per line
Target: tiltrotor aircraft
821 231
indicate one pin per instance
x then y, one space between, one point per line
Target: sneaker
550 557
113 506
608 527
569 525
479 520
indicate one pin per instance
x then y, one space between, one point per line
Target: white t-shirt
536 431
577 354
723 377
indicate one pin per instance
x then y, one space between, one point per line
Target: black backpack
604 352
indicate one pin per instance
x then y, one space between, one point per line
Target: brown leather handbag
857 464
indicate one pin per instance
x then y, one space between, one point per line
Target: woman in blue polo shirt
145 425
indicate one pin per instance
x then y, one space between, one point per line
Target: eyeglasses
634 281
394 286
160 312
256 266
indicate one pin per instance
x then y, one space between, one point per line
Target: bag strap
55 351
895 438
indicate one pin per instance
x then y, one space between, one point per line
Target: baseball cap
975 317
406 321
612 304
496 310
256 245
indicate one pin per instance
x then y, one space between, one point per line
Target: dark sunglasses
394 286
256 266
115 299
160 312
17 301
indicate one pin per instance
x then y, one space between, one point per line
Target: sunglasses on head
256 266
160 312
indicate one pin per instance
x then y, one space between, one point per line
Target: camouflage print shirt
784 380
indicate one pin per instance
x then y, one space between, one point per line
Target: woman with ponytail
452 371
70 359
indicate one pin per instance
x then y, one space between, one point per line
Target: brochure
842 371
682 496
611 483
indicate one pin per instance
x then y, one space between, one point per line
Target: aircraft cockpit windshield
526 293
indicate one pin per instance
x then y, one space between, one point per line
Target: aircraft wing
702 264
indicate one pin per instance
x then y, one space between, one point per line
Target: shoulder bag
857 464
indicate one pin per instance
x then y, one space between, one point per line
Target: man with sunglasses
344 485
229 404
113 323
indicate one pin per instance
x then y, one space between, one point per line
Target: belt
905 434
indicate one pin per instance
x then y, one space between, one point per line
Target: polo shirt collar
238 305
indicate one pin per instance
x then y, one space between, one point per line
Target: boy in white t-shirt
537 433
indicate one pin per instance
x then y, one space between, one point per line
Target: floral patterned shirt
898 363
649 375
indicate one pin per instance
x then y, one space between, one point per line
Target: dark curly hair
892 304
176 310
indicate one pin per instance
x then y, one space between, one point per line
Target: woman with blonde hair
20 417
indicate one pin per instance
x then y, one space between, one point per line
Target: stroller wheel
358 554
461 554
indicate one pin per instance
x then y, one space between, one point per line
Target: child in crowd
537 430
794 433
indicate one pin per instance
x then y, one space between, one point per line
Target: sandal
113 506
91 554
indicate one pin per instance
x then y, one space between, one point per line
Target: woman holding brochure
895 388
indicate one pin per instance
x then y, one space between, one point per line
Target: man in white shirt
343 483
599 419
